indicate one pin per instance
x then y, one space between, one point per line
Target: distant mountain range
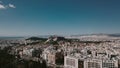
108 35
71 36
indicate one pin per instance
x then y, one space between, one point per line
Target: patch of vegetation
36 38
9 61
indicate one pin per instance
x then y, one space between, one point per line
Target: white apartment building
73 62
70 62
92 63
109 63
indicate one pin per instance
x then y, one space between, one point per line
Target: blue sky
59 17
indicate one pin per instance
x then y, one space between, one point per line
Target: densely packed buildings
71 53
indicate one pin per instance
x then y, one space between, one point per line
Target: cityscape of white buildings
76 54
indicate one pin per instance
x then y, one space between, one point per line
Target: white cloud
11 6
2 6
